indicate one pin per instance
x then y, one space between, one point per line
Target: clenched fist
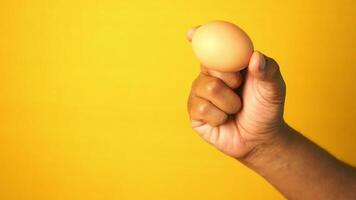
236 112
241 114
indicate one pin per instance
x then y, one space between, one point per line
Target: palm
260 116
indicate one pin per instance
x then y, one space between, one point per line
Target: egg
222 46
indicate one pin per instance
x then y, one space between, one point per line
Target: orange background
93 94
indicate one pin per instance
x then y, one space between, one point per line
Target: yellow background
93 94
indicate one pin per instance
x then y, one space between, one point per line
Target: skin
241 114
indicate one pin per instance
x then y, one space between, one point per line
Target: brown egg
222 46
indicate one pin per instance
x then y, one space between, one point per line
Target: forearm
300 169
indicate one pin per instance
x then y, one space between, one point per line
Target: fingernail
190 33
262 63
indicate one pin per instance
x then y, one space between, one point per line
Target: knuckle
214 86
198 83
203 109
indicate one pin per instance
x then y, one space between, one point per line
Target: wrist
270 150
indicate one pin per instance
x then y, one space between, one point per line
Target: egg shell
222 46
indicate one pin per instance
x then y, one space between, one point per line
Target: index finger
231 79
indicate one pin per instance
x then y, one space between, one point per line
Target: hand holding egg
235 112
222 46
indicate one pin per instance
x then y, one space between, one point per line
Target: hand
236 112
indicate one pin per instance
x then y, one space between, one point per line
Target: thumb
267 72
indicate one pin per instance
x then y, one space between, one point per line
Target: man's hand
241 114
235 112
